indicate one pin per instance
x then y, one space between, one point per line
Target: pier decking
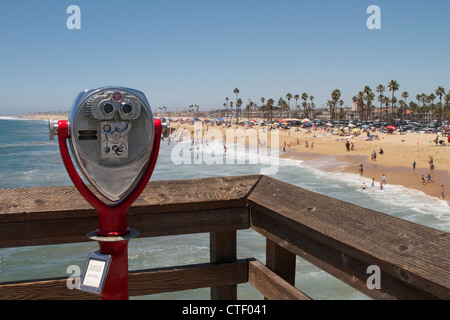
340 238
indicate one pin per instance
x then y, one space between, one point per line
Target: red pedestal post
112 219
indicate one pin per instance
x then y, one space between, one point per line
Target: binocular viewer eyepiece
115 142
111 134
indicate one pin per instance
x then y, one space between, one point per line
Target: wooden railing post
281 261
223 249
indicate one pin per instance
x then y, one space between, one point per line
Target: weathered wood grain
338 237
141 282
414 259
223 248
40 216
271 285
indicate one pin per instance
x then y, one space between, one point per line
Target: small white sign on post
95 272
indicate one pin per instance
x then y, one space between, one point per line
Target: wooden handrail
341 238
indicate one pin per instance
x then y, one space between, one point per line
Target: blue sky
183 52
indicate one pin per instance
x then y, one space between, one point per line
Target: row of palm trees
425 109
268 107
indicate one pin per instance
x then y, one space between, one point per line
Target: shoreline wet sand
398 175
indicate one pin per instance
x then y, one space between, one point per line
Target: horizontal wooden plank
61 215
141 282
187 277
26 204
58 231
413 259
49 289
272 286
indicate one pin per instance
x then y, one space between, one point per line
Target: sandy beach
396 163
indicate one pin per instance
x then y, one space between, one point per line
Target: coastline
396 175
400 151
43 116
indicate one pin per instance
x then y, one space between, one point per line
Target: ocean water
29 159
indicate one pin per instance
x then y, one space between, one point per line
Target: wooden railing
338 237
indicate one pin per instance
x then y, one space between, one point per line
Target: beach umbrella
365 126
391 127
220 119
305 120
356 130
329 124
351 125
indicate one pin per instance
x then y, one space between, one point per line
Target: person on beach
364 186
347 145
414 165
373 182
431 162
383 178
374 155
353 146
423 180
381 151
381 186
442 192
361 170
429 178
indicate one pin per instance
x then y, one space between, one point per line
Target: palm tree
335 99
227 106
270 103
296 97
432 106
289 97
231 111
405 96
440 91
236 91
380 99
370 96
414 109
380 89
248 108
386 103
312 106
393 86
446 108
360 99
262 104
238 109
304 104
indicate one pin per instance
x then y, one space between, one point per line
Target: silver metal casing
111 137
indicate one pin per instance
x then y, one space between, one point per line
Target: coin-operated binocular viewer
115 141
